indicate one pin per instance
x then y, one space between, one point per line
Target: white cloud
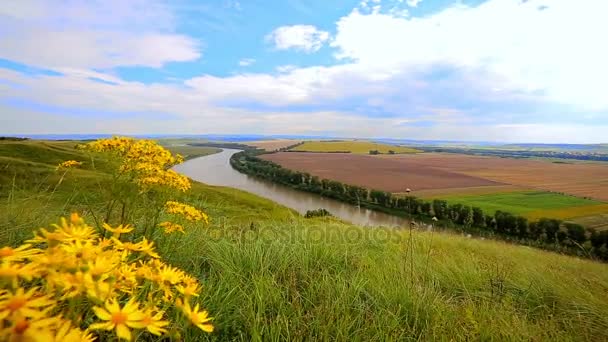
101 34
306 38
550 47
246 62
413 3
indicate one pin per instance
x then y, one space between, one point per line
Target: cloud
101 34
527 44
305 38
413 3
246 62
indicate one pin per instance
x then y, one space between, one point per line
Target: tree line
545 233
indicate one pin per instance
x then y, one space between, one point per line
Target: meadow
350 146
269 274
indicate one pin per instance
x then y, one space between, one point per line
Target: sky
474 70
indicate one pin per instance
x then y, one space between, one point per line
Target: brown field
428 171
389 174
473 190
273 145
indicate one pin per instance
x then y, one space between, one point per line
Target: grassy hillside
191 152
361 147
269 274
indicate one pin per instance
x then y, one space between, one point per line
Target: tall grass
269 274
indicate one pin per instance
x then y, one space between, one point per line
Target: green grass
191 152
521 202
360 147
269 274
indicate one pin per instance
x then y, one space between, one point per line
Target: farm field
577 179
488 182
467 191
599 221
375 172
273 145
534 204
358 147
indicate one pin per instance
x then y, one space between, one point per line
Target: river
215 169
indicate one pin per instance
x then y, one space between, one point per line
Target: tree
576 232
478 217
374 152
416 205
426 208
491 222
522 227
315 184
562 235
377 196
535 231
597 238
440 209
550 227
454 212
466 216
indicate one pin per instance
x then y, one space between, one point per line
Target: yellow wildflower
119 319
27 304
189 289
188 211
118 230
19 253
12 271
171 227
153 322
144 160
24 329
67 333
144 246
199 318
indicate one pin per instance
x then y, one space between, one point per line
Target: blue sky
493 70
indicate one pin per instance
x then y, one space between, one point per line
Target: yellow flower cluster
68 164
148 163
70 275
171 227
188 211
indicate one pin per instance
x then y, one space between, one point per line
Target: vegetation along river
215 169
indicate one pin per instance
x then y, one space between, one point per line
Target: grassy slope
270 274
361 147
190 152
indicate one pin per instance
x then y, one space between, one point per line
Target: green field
270 274
360 147
522 202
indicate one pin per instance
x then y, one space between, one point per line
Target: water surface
215 169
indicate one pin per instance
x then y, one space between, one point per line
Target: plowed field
430 171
